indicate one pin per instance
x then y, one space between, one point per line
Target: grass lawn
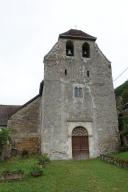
68 176
123 155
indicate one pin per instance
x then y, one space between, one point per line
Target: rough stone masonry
74 116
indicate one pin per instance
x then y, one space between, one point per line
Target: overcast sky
29 29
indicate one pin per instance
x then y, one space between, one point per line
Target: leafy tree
125 96
4 140
119 90
121 94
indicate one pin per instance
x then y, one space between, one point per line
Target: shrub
43 159
4 140
36 171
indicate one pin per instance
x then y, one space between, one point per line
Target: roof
30 101
76 34
34 98
41 88
6 111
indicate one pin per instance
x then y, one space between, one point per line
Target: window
86 50
78 92
69 48
88 74
65 72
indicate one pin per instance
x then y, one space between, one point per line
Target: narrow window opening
65 72
86 50
69 48
88 73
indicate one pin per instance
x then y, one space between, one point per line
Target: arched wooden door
80 148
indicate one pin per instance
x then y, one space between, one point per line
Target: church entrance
80 148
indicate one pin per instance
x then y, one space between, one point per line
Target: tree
4 140
125 96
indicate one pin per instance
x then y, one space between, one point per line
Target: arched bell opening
69 48
86 50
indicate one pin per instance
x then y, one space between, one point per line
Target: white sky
29 29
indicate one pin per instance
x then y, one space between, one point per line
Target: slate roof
28 102
41 88
5 112
76 34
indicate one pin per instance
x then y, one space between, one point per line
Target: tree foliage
119 90
123 123
121 94
4 139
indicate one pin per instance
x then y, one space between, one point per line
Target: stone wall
25 125
30 144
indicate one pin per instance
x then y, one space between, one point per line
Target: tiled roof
5 112
76 34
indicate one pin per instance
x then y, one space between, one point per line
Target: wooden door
80 147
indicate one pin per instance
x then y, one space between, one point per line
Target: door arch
80 147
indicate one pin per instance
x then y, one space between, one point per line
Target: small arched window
78 92
86 50
69 48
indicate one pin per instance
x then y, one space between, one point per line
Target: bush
36 171
4 140
43 159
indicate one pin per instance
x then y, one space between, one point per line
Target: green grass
68 176
123 155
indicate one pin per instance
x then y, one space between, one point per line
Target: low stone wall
122 149
12 175
115 161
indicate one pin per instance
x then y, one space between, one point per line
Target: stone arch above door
79 131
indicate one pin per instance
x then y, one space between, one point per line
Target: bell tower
78 93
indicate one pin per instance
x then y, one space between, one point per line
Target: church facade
74 115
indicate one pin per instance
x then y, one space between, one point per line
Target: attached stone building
6 111
74 115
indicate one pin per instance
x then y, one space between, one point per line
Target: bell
69 52
85 52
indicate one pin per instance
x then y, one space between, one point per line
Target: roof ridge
76 34
10 105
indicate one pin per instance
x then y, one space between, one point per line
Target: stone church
74 115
